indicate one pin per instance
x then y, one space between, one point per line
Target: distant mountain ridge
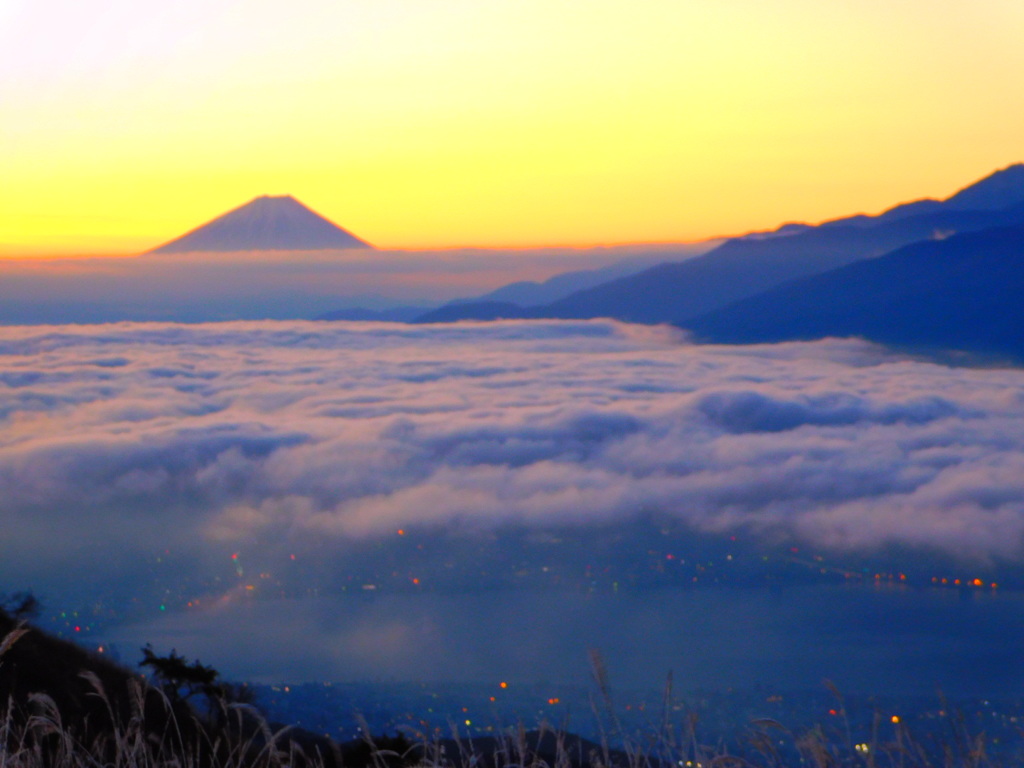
265 223
1001 189
529 293
746 266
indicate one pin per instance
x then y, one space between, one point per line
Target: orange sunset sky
438 123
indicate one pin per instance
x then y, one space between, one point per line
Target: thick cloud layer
141 438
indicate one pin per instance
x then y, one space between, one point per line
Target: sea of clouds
124 439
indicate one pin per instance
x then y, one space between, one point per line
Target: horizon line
32 255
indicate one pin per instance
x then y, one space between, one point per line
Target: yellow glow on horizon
457 123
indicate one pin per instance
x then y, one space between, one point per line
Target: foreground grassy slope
65 707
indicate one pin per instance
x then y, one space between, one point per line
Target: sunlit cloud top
509 123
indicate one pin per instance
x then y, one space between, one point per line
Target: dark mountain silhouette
266 224
743 268
961 293
749 265
1002 189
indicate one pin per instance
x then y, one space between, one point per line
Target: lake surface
867 640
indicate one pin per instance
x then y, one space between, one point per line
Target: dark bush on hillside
22 606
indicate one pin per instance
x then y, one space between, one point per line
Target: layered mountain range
930 273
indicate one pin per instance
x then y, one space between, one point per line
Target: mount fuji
266 223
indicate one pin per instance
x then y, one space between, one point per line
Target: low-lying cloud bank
210 287
141 438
